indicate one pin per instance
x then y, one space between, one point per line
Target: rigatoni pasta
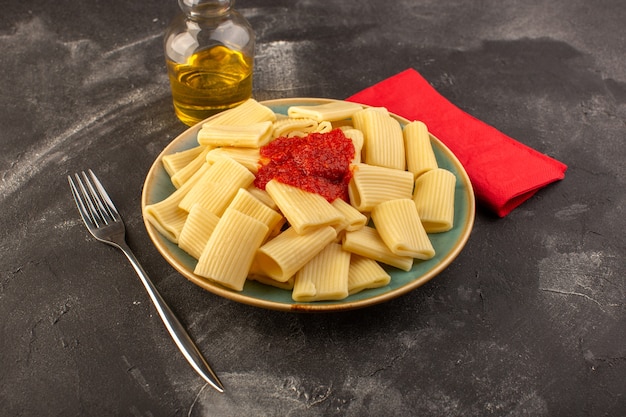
247 136
365 273
250 111
434 200
371 185
166 215
230 250
356 136
246 203
284 255
213 196
367 242
399 226
333 111
184 173
325 277
297 240
197 229
288 127
384 143
174 162
419 152
304 210
248 157
354 219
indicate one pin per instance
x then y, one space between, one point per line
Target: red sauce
317 163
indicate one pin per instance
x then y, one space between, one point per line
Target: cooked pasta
336 110
262 196
371 185
197 229
287 126
248 157
247 136
356 136
354 218
213 196
166 215
250 111
434 200
367 242
174 162
228 170
419 151
287 285
229 252
183 174
250 205
365 273
303 210
325 277
296 240
399 226
384 143
281 257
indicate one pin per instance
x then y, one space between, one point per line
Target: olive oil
209 53
211 80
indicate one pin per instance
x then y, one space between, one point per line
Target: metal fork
105 224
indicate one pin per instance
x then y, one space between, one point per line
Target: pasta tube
227 170
248 157
384 143
186 172
262 196
281 257
325 277
354 218
367 242
434 199
284 127
303 210
218 185
250 205
230 250
333 111
246 136
399 226
213 196
287 285
250 111
356 136
174 162
197 229
365 273
419 151
166 215
371 185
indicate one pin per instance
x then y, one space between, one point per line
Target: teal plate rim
448 245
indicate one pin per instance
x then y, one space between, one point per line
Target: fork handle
175 328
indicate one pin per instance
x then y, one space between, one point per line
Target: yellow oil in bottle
212 80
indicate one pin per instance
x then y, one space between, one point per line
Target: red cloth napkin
503 171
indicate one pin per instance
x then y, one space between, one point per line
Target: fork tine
87 193
84 212
96 201
109 206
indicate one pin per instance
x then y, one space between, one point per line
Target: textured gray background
528 321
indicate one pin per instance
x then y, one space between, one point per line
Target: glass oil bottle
209 52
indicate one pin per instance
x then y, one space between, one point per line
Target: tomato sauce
317 163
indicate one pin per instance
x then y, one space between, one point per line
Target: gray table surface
528 321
